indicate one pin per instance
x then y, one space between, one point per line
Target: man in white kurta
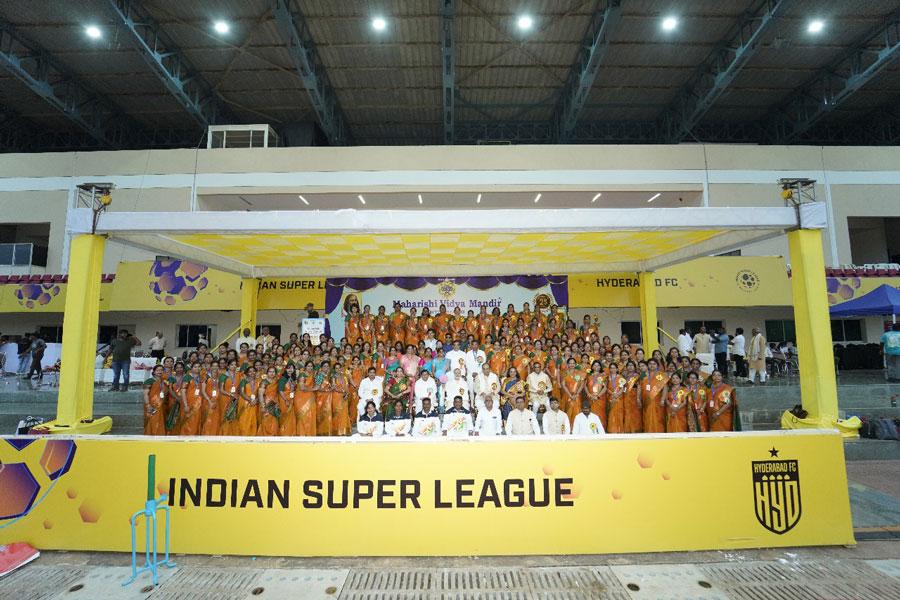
521 421
486 385
370 388
555 421
475 357
425 388
457 386
539 386
489 420
457 358
586 422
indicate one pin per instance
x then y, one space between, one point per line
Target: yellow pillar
75 401
818 388
249 295
647 287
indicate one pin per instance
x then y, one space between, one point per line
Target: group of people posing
519 373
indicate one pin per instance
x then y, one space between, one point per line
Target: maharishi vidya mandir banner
296 497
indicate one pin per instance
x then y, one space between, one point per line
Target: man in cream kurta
538 387
456 386
756 356
486 385
370 388
555 421
521 421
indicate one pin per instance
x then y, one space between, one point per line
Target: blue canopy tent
883 300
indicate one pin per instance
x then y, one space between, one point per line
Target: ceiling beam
448 57
834 84
584 72
36 68
718 71
298 40
181 79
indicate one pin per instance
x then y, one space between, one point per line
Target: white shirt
457 360
737 345
158 343
425 389
589 425
250 341
489 422
522 422
431 344
556 422
685 343
456 387
370 389
534 382
474 360
486 386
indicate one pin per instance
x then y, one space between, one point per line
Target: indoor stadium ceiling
110 74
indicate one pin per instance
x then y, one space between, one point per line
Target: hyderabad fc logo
776 493
28 472
747 280
173 281
31 295
447 289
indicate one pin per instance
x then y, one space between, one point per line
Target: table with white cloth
141 369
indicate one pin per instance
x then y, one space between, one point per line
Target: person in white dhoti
486 385
489 420
457 386
555 421
370 388
475 357
539 387
521 421
457 358
586 422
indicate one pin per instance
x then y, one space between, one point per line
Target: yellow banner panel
638 493
173 285
32 297
291 293
710 281
841 289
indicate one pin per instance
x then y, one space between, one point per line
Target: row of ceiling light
537 198
523 22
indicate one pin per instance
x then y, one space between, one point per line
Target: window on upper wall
781 330
847 330
189 335
633 330
52 334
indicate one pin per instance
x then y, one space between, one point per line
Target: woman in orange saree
426 322
397 325
269 411
520 361
677 397
411 333
352 325
499 358
287 394
322 387
652 399
340 413
722 405
698 397
229 382
305 401
631 399
553 370
173 401
382 327
595 390
358 371
573 382
615 401
485 325
367 325
248 403
154 402
457 325
212 411
442 323
471 325
191 402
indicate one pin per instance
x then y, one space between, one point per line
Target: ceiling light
524 22
654 197
478 199
361 199
379 24
420 198
537 198
597 197
669 23
221 27
816 26
303 200
93 32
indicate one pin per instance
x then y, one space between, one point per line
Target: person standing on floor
158 346
37 349
120 348
23 348
685 343
756 355
738 346
890 342
720 349
702 341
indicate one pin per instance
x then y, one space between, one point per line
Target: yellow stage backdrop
409 498
711 281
